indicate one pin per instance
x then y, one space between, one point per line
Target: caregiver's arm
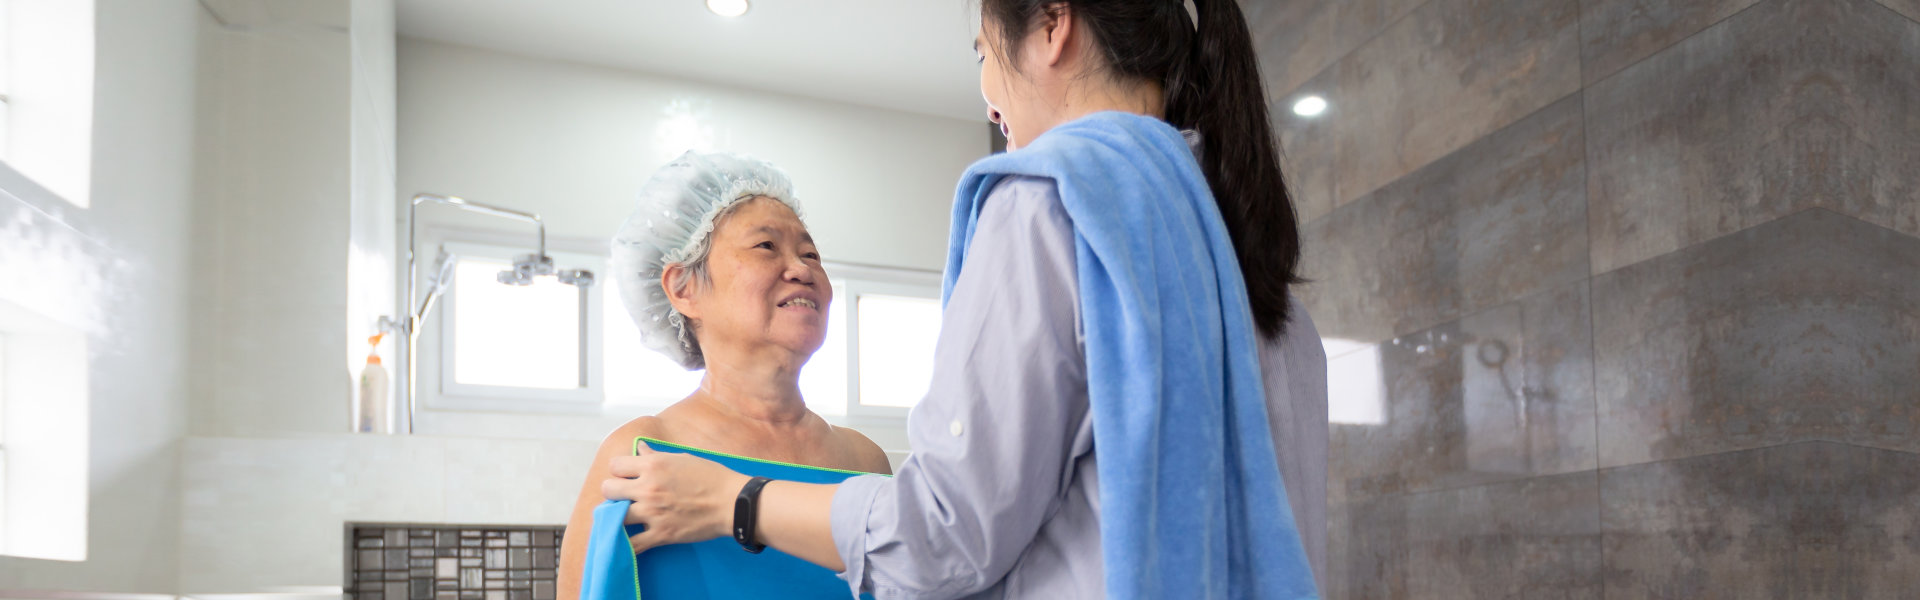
684 498
794 519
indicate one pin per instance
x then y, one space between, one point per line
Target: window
1356 391
43 436
635 374
5 89
3 442
46 117
892 322
521 348
516 336
895 329
511 347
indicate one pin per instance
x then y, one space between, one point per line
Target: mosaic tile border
394 561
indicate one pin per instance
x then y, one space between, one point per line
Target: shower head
533 265
576 277
443 272
528 266
512 277
525 268
436 283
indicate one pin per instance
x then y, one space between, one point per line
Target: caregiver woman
1120 366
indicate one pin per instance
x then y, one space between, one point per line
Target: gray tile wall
451 562
1630 287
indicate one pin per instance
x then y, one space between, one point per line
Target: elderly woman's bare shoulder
865 454
620 440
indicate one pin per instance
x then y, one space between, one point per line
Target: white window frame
439 389
6 80
56 130
863 280
3 438
46 463
644 404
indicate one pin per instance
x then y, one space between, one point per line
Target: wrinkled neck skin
761 387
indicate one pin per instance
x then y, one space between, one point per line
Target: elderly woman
720 273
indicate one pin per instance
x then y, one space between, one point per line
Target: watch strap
746 514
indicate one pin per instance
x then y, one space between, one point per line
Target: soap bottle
372 414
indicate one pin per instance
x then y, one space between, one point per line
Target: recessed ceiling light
727 8
1310 106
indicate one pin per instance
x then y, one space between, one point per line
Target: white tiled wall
274 201
134 234
260 514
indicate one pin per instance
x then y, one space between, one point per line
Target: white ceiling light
1310 106
727 8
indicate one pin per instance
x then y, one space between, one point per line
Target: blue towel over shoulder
1191 500
715 569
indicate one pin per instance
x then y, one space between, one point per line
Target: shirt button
956 428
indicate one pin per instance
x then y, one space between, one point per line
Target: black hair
1212 84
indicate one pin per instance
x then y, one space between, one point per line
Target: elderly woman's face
767 284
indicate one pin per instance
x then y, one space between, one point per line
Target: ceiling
908 55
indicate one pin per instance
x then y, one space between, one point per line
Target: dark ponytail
1212 84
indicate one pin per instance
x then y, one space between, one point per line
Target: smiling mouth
800 302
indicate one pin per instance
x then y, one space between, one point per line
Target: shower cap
675 213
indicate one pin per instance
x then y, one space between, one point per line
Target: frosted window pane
6 80
3 384
3 422
1356 388
635 374
897 336
514 336
823 382
5 138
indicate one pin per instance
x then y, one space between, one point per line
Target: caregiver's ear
1056 21
681 285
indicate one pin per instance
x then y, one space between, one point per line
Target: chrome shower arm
409 322
413 208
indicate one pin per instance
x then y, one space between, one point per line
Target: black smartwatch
746 511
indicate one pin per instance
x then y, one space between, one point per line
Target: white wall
275 180
119 270
297 110
263 514
574 143
372 113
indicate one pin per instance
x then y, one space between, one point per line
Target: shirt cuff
852 502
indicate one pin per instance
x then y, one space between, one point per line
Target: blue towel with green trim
716 569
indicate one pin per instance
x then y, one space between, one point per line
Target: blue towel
1191 500
715 569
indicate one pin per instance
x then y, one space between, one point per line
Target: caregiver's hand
680 498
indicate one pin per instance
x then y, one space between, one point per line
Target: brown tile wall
1642 278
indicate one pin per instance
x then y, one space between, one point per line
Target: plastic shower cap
675 214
